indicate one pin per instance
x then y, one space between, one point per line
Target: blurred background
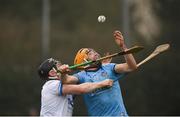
33 30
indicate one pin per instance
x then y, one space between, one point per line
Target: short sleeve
55 87
60 86
80 77
111 70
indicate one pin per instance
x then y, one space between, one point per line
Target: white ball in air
101 18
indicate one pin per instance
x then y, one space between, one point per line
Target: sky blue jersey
103 101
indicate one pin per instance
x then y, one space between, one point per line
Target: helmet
81 56
45 67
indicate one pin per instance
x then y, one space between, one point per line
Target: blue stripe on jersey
60 88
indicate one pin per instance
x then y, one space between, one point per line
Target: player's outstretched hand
108 83
119 39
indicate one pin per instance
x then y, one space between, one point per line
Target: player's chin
94 59
97 57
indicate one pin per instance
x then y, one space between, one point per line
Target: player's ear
52 73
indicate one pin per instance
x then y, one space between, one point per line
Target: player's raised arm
130 64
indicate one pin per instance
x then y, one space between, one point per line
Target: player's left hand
119 39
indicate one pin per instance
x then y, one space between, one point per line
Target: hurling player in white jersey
56 98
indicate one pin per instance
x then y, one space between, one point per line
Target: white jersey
52 101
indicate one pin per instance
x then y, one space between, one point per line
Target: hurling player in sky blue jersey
103 101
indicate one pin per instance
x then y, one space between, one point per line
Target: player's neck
93 69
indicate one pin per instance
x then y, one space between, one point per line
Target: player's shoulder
80 72
51 83
108 64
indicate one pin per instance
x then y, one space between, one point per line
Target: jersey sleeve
80 77
56 87
60 86
114 75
